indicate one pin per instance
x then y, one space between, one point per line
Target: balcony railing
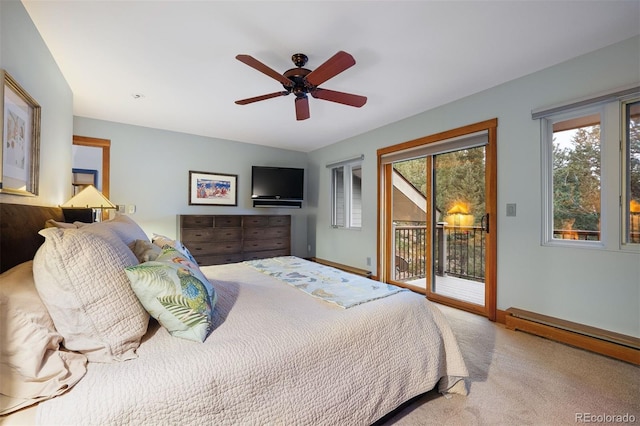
459 251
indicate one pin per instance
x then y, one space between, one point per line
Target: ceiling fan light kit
301 82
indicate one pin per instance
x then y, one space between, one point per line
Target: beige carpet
521 379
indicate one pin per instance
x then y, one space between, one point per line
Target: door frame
384 238
105 145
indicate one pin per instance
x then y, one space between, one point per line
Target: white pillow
33 367
81 280
123 226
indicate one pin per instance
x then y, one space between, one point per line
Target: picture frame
20 153
213 189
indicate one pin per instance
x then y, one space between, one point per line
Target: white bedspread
276 356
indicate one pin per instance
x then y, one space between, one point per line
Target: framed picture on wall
20 115
213 189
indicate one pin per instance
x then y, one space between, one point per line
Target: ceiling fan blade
339 97
262 97
256 64
302 108
330 68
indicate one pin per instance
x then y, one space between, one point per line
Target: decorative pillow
81 280
145 251
176 293
162 241
33 367
123 226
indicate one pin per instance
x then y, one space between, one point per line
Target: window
591 173
631 153
575 204
346 195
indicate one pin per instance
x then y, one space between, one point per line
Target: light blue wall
595 287
24 55
150 169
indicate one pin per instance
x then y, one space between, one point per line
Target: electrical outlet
368 261
121 208
131 209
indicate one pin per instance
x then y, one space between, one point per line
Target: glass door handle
484 223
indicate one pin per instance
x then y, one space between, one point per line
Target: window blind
472 140
598 98
345 162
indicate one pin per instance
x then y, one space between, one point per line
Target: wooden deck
456 288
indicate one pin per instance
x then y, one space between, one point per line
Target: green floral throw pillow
176 293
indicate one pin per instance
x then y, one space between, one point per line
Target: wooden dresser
218 239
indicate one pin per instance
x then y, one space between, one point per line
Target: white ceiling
411 56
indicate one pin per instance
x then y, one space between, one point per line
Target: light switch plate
511 209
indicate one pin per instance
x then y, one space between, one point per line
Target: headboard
19 226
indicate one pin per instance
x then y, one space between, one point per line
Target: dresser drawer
227 222
220 247
211 235
253 221
258 245
264 220
195 221
265 233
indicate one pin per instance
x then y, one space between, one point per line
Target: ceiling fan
302 82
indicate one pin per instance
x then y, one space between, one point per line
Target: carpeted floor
521 379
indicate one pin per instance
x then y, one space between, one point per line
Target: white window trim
347 166
624 196
547 179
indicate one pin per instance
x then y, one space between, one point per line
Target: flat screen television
277 183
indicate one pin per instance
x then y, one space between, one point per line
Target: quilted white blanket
276 356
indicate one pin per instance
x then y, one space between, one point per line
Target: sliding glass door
459 238
437 196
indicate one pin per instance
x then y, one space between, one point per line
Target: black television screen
277 183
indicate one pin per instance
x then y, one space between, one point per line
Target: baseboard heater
615 345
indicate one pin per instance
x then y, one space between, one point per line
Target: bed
278 350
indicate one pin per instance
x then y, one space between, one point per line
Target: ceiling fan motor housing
300 86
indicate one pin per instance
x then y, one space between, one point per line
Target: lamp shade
90 198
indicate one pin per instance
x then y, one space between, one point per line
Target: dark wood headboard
19 226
